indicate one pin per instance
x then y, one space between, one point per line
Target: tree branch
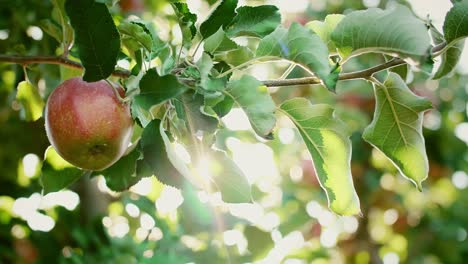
28 60
364 74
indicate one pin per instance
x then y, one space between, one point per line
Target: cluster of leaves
182 100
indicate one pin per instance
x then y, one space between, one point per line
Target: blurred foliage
288 218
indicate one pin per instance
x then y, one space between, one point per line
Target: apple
132 6
88 124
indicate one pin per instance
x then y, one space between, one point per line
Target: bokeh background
289 221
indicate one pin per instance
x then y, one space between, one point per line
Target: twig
28 60
364 74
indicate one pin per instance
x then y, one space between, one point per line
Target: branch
364 74
27 60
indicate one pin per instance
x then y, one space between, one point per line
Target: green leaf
57 173
221 17
259 242
136 32
155 89
229 179
327 140
120 176
300 45
325 28
59 16
96 37
219 42
51 28
391 31
257 21
449 60
224 107
189 108
456 22
235 57
154 144
396 129
186 18
253 97
31 100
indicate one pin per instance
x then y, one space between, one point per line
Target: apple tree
184 73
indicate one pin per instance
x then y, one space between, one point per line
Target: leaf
121 175
219 42
59 16
155 155
96 37
325 28
391 31
229 179
155 89
224 107
186 18
221 17
449 60
31 100
253 97
235 57
396 129
136 32
257 21
259 242
51 28
327 140
300 45
456 22
189 109
57 173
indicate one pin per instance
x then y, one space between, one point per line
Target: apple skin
87 124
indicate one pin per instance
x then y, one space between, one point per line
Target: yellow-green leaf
396 129
327 140
325 28
31 100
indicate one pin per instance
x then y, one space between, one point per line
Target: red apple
132 6
87 124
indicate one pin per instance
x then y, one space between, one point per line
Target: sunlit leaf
301 45
393 31
221 17
57 173
254 99
30 100
96 37
325 28
259 242
327 140
396 129
228 178
257 21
